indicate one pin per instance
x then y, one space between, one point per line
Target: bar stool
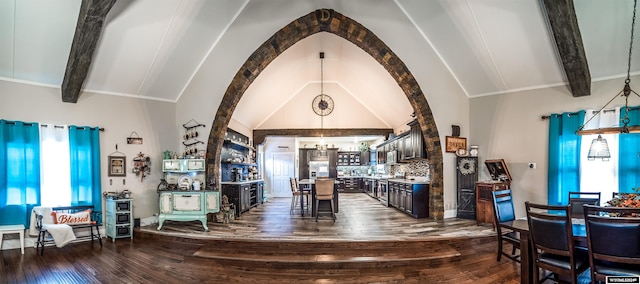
13 229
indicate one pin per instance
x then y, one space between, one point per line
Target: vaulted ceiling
151 49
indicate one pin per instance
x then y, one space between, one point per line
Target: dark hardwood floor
367 244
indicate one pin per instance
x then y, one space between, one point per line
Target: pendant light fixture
626 91
599 149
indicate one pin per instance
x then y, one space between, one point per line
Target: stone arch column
326 20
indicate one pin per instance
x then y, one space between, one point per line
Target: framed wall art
117 166
452 144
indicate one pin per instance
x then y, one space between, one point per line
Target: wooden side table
13 229
484 200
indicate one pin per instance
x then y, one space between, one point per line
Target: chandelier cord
633 25
322 91
626 91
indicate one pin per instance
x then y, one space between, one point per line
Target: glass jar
473 151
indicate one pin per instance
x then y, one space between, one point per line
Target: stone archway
326 20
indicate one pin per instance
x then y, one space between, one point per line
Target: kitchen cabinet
119 214
303 164
409 198
349 184
182 205
417 142
406 147
352 184
244 195
350 158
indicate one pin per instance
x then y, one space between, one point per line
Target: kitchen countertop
421 180
242 182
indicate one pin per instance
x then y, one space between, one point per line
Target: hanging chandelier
599 148
322 104
626 91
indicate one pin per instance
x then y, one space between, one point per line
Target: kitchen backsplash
413 168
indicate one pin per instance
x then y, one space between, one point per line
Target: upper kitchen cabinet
404 147
414 143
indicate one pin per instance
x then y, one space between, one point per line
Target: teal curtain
629 161
19 171
564 156
84 148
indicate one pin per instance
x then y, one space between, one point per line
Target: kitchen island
310 183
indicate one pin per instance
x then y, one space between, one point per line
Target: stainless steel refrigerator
318 169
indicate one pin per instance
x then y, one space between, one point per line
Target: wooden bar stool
13 229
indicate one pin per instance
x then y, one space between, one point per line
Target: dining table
309 185
526 254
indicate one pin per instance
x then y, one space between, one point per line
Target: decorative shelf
239 144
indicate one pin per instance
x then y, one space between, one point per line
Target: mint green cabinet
119 218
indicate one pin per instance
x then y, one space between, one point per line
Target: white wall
119 116
510 127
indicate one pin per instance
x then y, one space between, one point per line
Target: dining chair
324 192
552 242
296 194
504 211
613 239
578 199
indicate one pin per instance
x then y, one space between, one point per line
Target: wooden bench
96 220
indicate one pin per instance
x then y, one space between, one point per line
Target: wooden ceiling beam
259 135
562 19
88 29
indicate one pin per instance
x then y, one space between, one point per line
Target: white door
282 171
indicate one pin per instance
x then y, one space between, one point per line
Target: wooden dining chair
296 194
613 239
552 242
504 211
324 192
578 199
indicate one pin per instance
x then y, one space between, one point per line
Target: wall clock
322 105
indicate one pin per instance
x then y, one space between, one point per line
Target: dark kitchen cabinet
244 196
412 199
406 147
333 162
416 141
303 164
350 158
409 145
349 184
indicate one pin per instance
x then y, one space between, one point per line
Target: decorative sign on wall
134 140
117 164
455 143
